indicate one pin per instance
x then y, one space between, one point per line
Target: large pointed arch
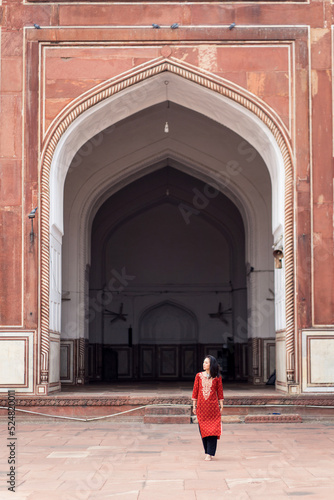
55 138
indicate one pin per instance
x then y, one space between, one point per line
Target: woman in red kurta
208 395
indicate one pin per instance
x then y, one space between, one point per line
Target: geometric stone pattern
276 419
61 401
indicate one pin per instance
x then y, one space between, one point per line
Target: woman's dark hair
214 366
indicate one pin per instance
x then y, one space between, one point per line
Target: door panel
168 357
147 360
188 361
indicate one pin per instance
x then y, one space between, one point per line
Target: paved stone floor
70 460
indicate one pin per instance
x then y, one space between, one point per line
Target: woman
208 395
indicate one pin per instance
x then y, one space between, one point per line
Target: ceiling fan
220 314
118 315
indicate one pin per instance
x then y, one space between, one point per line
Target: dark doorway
168 261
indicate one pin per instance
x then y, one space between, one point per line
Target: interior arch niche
170 331
168 323
197 263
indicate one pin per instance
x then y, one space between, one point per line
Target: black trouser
210 445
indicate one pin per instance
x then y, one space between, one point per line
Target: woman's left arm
220 393
195 393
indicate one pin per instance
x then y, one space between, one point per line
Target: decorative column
42 386
289 275
81 361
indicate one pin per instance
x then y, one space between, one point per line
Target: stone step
276 419
167 415
167 419
167 410
132 406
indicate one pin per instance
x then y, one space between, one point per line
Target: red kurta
208 392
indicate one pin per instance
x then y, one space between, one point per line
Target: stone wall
278 57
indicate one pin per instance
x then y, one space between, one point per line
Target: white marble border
307 335
27 363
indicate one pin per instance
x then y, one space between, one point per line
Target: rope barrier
94 418
157 406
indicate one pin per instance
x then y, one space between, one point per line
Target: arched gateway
88 125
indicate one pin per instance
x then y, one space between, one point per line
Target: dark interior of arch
167 281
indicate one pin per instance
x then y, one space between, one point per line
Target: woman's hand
194 410
221 407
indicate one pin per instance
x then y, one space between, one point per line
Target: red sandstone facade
276 62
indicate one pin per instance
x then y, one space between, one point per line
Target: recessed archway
150 233
207 97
